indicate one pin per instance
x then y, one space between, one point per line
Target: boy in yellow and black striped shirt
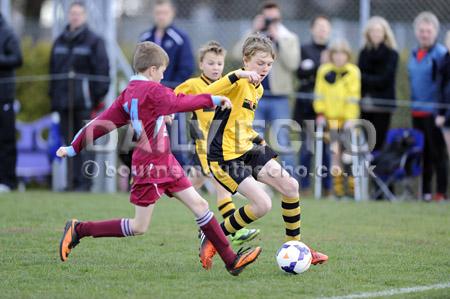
211 63
236 162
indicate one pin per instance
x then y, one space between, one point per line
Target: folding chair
410 165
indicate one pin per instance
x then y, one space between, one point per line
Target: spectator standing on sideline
177 45
10 59
80 52
423 76
274 105
378 62
312 56
443 119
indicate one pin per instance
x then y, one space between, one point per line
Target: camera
267 23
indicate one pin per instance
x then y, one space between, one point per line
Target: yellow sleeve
319 92
352 110
184 87
260 91
223 85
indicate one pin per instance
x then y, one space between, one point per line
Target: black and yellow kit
232 154
201 119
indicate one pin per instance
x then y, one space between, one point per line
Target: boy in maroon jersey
155 170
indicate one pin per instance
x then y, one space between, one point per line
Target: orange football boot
207 252
318 257
69 239
244 257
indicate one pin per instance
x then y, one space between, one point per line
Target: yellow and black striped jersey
231 133
201 118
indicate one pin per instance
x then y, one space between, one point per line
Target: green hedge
33 95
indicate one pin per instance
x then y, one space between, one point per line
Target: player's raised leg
274 175
76 230
227 208
215 238
259 204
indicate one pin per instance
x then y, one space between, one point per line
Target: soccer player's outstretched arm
168 103
112 118
226 83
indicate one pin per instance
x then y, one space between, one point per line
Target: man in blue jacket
10 59
174 41
423 66
182 64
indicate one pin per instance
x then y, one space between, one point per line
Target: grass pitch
373 246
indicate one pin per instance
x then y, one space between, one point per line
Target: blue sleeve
185 66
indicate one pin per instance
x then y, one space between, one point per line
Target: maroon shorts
146 194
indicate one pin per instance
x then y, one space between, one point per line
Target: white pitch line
393 292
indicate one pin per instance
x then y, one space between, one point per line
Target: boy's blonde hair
257 43
389 39
148 54
213 47
340 45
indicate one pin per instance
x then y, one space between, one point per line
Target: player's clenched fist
62 152
252 76
222 101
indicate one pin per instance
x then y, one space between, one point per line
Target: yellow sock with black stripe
351 186
226 207
291 215
338 185
239 219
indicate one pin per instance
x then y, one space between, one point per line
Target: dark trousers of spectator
8 151
381 121
435 158
80 117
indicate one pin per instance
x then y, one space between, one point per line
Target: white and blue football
294 257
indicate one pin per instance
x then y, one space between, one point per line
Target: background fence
121 22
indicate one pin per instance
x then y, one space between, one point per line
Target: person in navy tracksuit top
182 64
423 67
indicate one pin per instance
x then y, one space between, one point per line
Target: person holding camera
274 104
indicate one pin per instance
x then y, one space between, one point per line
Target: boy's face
212 65
339 58
261 63
157 74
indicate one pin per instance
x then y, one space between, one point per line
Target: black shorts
231 173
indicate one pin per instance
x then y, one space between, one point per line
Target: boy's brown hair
257 43
213 47
148 54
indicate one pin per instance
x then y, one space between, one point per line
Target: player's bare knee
262 207
290 187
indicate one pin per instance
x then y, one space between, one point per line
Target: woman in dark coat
378 64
